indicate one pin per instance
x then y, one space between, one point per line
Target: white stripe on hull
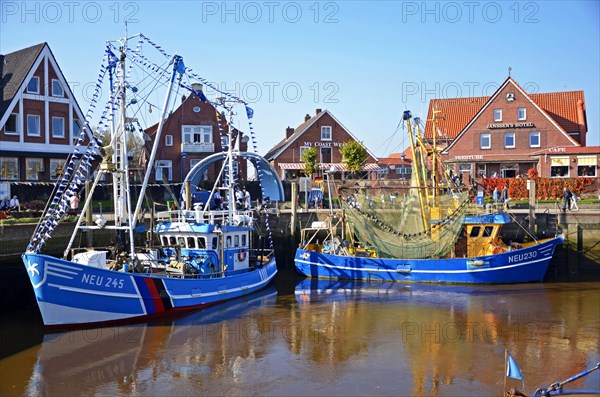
54 314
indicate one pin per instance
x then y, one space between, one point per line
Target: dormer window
33 87
497 114
521 114
326 133
57 89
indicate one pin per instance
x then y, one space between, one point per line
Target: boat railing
208 217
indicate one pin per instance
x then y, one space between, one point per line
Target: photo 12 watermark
424 91
470 11
269 11
69 11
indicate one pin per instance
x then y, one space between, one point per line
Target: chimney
288 132
581 121
318 111
307 117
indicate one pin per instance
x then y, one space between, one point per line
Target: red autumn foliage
546 188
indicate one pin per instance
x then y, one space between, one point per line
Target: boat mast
230 191
417 162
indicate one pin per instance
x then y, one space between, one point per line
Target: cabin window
164 240
475 231
215 243
172 240
244 240
191 242
201 242
236 240
181 241
487 231
228 242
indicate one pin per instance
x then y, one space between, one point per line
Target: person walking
504 197
566 199
574 200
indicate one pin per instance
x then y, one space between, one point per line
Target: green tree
354 155
309 158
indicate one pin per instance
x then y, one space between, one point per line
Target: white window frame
58 86
524 116
39 125
17 119
497 114
168 140
489 138
9 168
76 130
481 170
324 135
302 150
55 133
161 166
33 166
507 135
465 167
539 139
57 167
37 91
197 134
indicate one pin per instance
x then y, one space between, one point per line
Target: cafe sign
510 125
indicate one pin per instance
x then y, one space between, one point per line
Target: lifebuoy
241 255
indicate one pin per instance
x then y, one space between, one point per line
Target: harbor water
315 338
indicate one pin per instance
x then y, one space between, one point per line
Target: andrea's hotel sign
510 125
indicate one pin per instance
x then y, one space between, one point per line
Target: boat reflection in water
331 338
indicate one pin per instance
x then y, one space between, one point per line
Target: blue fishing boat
428 235
194 255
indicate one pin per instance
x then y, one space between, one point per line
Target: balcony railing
198 147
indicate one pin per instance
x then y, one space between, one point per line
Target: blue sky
364 61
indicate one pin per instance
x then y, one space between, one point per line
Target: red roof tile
456 113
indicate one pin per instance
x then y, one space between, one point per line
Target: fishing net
393 223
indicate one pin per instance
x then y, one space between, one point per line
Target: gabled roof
14 67
280 147
285 142
456 113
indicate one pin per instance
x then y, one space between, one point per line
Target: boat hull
527 264
71 294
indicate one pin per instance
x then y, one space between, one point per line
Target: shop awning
338 167
560 161
587 160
